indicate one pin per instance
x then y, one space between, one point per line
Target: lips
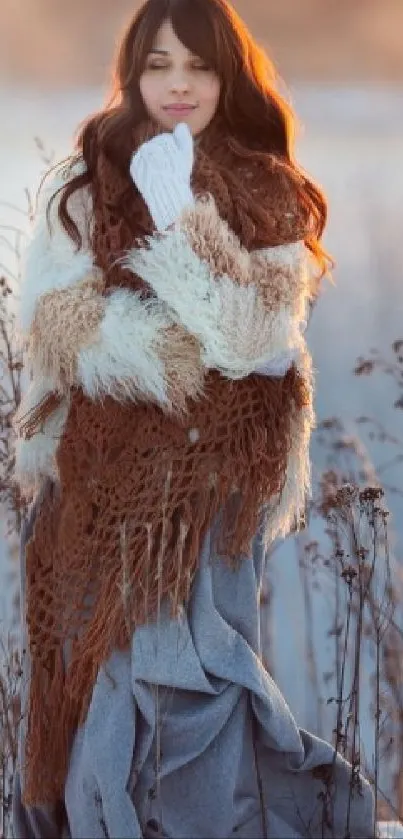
179 109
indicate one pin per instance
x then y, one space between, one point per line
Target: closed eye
201 67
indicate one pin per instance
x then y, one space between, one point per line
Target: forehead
166 39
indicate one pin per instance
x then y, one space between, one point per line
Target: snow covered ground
352 144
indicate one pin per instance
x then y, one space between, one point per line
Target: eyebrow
163 52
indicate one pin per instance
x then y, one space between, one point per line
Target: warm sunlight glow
47 42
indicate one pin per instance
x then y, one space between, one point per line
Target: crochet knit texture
136 483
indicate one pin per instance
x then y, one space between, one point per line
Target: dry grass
367 594
10 714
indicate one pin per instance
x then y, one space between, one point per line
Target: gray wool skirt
187 734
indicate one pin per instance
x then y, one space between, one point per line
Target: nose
179 81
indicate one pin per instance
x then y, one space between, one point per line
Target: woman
165 440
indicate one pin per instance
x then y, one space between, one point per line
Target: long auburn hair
259 119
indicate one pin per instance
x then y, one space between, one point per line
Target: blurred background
50 42
341 64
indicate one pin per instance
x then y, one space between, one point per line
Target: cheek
149 90
210 91
214 94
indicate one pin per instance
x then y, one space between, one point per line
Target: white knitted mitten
161 169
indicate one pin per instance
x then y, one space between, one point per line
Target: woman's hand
161 170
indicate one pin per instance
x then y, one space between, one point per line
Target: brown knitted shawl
137 492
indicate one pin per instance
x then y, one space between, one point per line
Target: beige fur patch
65 320
215 243
184 371
277 272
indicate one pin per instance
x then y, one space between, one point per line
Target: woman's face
175 77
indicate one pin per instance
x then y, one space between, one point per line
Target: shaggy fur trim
64 321
286 511
139 354
112 346
35 458
282 275
276 271
234 323
50 260
184 369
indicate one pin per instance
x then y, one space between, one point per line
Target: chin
169 123
172 122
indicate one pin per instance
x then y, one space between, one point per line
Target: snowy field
352 144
